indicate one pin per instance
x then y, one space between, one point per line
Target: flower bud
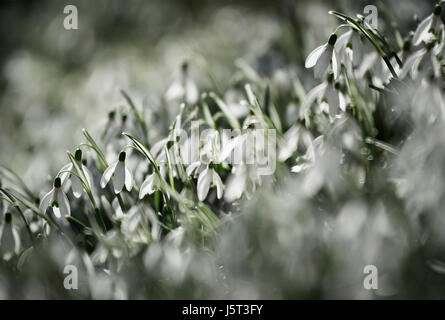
8 217
332 39
437 10
57 183
122 156
111 115
78 155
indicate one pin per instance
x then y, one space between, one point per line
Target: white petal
157 147
422 30
147 186
119 177
192 167
46 200
77 186
203 184
128 179
335 65
322 66
107 174
218 183
64 205
88 176
314 94
412 63
7 244
64 175
314 56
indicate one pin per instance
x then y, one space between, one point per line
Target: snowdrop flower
430 23
57 199
416 61
122 175
349 48
152 182
183 88
330 97
207 178
9 240
76 184
323 57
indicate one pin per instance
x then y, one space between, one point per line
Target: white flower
423 29
416 60
207 178
323 57
76 184
349 48
151 183
9 239
121 175
183 88
329 97
57 199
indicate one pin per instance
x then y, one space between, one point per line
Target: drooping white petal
88 175
64 205
322 66
192 167
411 65
236 184
314 56
218 183
147 186
157 147
203 184
46 200
422 30
107 174
128 179
119 177
77 187
64 175
7 242
335 65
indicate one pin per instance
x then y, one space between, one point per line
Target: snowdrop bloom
183 88
9 239
152 182
416 61
57 199
76 184
323 57
122 175
207 178
330 97
430 23
349 48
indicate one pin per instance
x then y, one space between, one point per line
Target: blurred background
54 82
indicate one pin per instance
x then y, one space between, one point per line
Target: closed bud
57 183
78 155
332 39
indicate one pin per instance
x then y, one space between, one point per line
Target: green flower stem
139 117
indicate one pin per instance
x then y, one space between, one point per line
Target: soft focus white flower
76 184
150 184
423 31
207 178
9 239
121 175
323 57
57 199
